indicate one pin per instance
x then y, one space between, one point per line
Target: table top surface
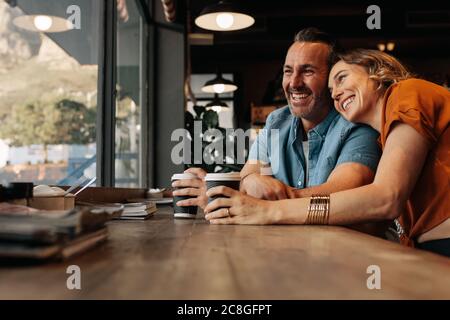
167 258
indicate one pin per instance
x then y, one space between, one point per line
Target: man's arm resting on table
259 184
345 176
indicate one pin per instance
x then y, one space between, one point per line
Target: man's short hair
312 34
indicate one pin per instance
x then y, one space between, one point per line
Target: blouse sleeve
413 103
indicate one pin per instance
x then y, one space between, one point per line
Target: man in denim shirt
307 147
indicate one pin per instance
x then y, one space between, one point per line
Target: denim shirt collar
321 129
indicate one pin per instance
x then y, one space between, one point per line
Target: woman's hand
238 208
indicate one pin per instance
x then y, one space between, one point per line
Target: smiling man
306 147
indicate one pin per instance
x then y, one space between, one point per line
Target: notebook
138 210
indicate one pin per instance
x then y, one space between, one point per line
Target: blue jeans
440 246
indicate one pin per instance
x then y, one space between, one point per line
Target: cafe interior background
101 95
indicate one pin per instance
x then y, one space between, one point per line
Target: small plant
209 120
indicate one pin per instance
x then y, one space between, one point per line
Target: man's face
305 76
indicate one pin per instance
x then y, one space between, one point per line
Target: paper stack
138 210
39 234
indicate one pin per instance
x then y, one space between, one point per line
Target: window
48 90
130 50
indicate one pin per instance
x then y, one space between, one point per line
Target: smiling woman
359 80
412 117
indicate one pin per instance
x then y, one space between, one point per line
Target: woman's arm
399 168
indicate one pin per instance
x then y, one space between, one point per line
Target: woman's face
354 94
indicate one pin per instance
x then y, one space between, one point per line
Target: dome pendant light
223 16
216 104
219 85
42 23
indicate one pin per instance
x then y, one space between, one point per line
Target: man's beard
311 112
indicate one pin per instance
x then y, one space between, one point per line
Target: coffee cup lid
229 176
183 176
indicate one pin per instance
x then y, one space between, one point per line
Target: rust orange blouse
424 106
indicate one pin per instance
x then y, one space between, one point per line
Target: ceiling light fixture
219 85
224 20
43 23
390 46
223 16
216 104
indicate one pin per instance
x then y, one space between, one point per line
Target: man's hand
195 188
266 187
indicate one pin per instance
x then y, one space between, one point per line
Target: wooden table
166 258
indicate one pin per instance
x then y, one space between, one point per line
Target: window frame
107 79
106 95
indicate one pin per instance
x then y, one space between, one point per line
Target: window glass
128 104
48 90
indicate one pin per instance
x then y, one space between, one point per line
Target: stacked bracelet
318 210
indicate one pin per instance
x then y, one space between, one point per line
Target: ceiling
419 30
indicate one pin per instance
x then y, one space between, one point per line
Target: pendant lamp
223 16
219 85
216 104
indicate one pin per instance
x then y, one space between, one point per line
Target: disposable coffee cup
230 179
183 212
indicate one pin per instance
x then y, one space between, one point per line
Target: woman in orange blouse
412 182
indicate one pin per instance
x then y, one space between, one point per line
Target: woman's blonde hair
381 67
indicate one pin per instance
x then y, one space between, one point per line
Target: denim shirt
332 142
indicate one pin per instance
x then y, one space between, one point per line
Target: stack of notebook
37 234
138 210
133 209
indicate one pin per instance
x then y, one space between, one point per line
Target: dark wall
420 31
433 69
169 99
256 77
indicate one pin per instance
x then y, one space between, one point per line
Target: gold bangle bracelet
318 210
